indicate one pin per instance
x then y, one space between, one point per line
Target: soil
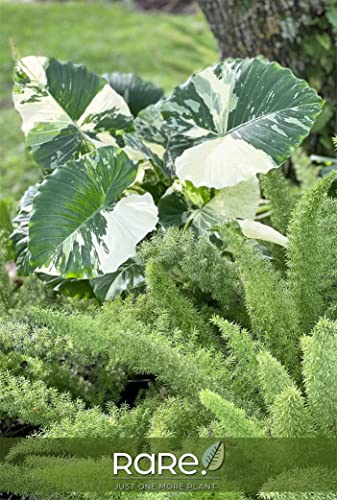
172 6
16 429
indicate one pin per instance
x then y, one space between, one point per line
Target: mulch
172 6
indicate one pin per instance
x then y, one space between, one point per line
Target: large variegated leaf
234 120
78 228
137 93
238 202
63 108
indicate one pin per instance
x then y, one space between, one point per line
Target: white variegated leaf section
222 163
106 99
37 109
235 120
129 222
46 109
34 67
240 201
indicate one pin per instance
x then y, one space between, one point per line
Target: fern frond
241 360
34 402
178 418
308 483
201 268
289 415
273 377
269 302
320 375
282 196
88 423
167 299
234 421
36 353
312 252
139 347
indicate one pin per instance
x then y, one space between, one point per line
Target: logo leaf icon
213 457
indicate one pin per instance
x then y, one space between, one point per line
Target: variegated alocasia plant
225 125
86 224
195 154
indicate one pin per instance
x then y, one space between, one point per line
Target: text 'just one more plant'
119 159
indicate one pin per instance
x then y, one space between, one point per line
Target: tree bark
269 27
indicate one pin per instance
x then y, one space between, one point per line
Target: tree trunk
296 33
269 27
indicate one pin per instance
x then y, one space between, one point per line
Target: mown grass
162 48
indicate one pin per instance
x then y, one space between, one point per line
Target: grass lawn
105 37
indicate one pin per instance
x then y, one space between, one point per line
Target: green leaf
78 228
236 119
331 14
324 40
79 289
240 201
174 209
137 93
214 456
129 276
64 108
21 229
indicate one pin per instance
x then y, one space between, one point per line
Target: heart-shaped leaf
78 228
137 93
63 108
234 120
